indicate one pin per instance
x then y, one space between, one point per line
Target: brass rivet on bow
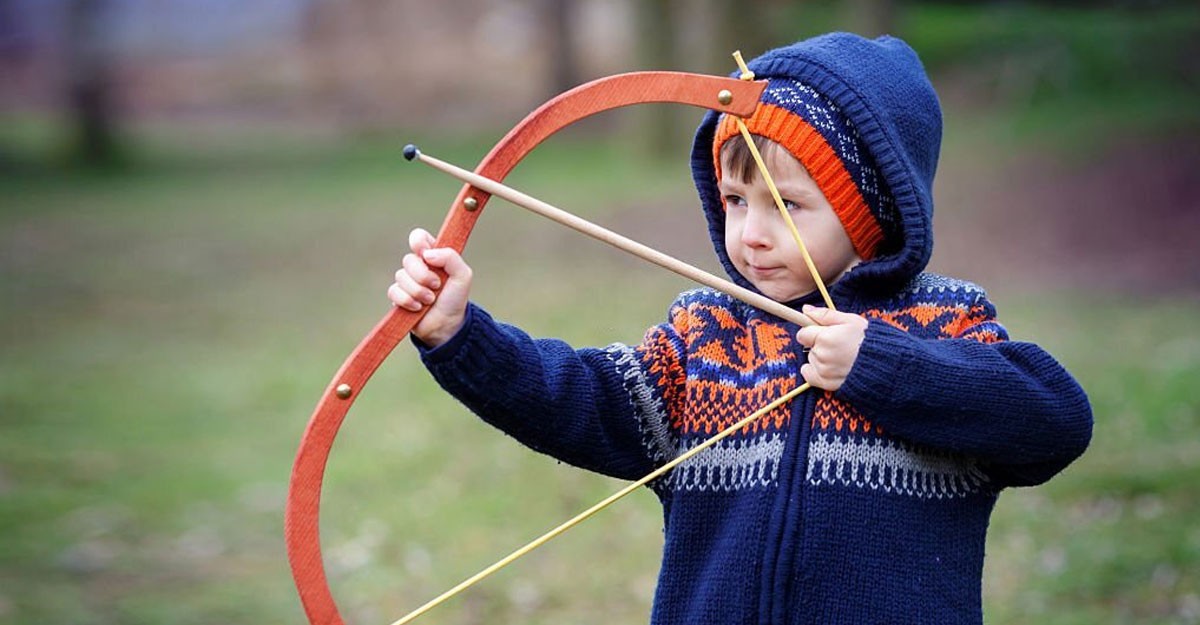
343 391
471 204
725 97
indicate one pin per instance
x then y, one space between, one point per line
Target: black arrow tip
410 152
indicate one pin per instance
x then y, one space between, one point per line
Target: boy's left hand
833 346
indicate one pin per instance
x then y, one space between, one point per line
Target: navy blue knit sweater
868 505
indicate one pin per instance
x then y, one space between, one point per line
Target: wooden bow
302 517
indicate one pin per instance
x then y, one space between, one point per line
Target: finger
812 376
417 292
420 240
402 299
818 363
416 267
450 261
807 336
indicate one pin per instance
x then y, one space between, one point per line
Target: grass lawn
168 330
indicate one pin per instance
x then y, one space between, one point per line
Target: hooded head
864 121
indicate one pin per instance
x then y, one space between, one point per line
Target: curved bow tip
410 152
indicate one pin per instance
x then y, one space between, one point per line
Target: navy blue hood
881 87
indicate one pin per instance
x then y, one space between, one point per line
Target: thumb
458 272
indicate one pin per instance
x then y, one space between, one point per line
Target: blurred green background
202 204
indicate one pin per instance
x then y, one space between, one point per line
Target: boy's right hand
417 286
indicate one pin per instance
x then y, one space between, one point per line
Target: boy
865 500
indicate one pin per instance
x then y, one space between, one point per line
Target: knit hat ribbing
815 132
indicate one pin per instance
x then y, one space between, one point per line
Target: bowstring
746 74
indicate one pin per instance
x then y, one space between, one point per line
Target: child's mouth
762 272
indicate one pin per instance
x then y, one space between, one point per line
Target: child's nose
756 230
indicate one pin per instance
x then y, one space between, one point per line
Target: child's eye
791 206
734 200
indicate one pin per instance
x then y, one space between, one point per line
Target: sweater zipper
788 517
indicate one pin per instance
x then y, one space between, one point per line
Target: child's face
758 240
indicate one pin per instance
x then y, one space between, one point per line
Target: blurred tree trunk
871 18
744 25
658 43
751 26
90 84
564 64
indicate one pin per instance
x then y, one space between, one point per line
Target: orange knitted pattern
719 346
807 145
834 415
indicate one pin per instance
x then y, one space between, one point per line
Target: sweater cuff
479 354
446 351
877 379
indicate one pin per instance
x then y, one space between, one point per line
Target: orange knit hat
813 131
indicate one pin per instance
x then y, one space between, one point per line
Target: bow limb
302 516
